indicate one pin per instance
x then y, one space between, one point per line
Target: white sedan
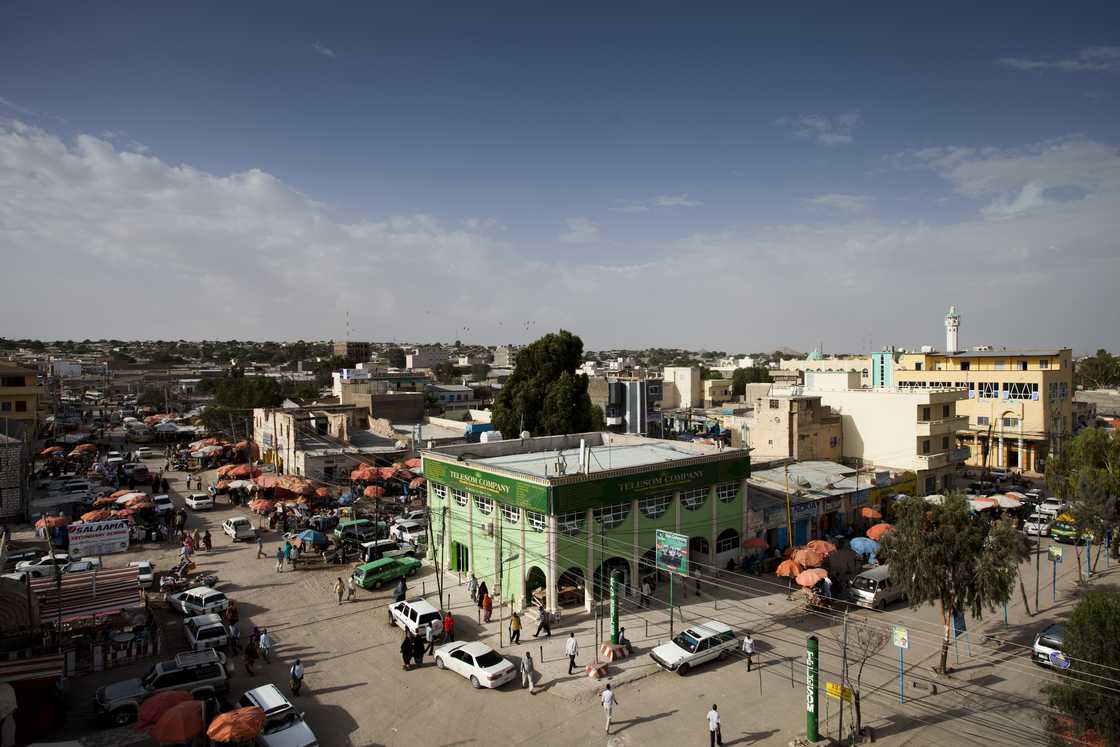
239 528
479 663
199 501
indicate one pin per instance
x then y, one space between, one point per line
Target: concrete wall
682 387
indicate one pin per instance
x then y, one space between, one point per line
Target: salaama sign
90 539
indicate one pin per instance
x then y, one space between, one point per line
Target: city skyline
640 175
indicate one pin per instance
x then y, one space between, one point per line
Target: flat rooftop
1020 353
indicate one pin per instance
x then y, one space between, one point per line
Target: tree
544 395
235 396
151 396
444 372
864 641
1101 370
395 356
1092 642
744 376
479 371
598 418
1086 473
945 555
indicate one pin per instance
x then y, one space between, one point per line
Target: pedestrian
449 626
260 546
350 591
418 647
233 614
487 607
624 642
164 486
206 541
338 589
250 658
571 648
472 587
430 638
297 552
609 702
543 624
697 573
295 677
279 560
643 601
287 551
406 651
482 591
527 671
264 643
234 639
748 649
714 735
196 539
400 591
514 627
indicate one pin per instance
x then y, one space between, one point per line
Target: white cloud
846 203
580 231
821 129
1087 60
483 224
660 201
324 50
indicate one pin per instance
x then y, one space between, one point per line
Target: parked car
283 724
239 528
82 566
416 514
696 645
1038 524
386 548
199 501
476 661
1047 642
412 615
206 631
15 557
163 503
1052 506
147 572
144 452
413 532
76 486
376 574
357 531
201 600
202 674
45 564
873 589
138 472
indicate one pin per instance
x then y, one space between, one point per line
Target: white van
873 589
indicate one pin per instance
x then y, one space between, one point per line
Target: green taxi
380 572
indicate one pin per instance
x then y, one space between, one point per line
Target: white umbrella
167 427
129 496
1006 501
242 485
936 499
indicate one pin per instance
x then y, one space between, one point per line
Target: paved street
357 694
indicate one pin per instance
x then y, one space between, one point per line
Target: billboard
507 490
98 538
671 553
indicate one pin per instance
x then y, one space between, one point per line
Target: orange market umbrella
807 558
123 513
876 532
416 482
869 513
811 577
266 481
403 474
755 543
180 723
322 492
373 491
82 448
136 505
413 463
820 547
788 568
234 726
365 474
52 450
52 521
243 472
982 504
388 473
96 515
119 493
225 469
105 500
157 705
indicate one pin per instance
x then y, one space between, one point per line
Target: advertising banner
579 496
671 552
503 489
98 538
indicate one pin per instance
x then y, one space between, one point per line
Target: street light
501 583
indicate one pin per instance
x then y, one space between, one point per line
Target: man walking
697 573
472 587
400 591
748 649
644 600
714 735
295 677
514 628
260 546
235 639
430 638
279 559
350 592
527 671
571 648
609 702
338 589
264 643
543 624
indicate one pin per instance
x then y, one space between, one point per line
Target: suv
873 588
144 452
239 528
416 514
1038 524
1052 506
199 501
413 532
163 503
201 600
414 614
698 644
380 572
202 674
283 724
1048 642
386 548
355 532
206 631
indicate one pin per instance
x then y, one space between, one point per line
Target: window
834 442
655 508
944 442
694 499
611 516
727 491
460 497
917 366
982 420
11 381
536 520
988 389
931 484
1022 365
5 406
945 411
439 491
571 523
511 514
925 446
773 404
727 541
1000 365
21 405
925 413
966 365
1044 363
484 505
1010 422
971 390
1021 391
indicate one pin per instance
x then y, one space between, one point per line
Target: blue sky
603 165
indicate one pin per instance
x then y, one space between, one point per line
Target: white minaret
952 324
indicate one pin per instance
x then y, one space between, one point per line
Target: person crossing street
571 649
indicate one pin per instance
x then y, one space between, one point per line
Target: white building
682 387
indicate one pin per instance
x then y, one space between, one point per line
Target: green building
540 515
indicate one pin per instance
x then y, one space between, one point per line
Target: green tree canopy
744 376
545 395
395 357
1092 641
946 555
444 372
1101 370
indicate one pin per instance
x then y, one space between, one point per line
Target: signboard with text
98 538
503 489
671 552
579 496
838 691
900 637
1055 553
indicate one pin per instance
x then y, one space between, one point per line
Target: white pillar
636 579
589 572
714 527
553 574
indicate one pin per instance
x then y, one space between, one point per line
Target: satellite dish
524 434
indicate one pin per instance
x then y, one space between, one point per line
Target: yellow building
1019 404
20 396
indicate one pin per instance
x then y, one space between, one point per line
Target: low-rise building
629 405
14 492
505 356
453 396
791 425
350 350
323 442
682 387
824 499
717 392
21 397
425 357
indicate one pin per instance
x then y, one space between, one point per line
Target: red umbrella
365 474
373 491
225 469
157 705
180 723
119 493
807 558
243 472
52 450
52 521
105 500
416 482
811 577
265 481
388 473
96 515
869 513
413 463
822 548
403 474
755 543
876 532
788 568
235 726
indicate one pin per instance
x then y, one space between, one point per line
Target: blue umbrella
864 546
345 499
312 537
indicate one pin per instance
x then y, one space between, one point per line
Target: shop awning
31 668
86 595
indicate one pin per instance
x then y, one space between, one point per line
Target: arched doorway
534 581
727 547
570 587
699 551
603 575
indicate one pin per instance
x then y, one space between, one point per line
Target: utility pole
843 676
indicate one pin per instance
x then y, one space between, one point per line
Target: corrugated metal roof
31 668
85 595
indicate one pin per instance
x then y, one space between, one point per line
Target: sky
710 176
